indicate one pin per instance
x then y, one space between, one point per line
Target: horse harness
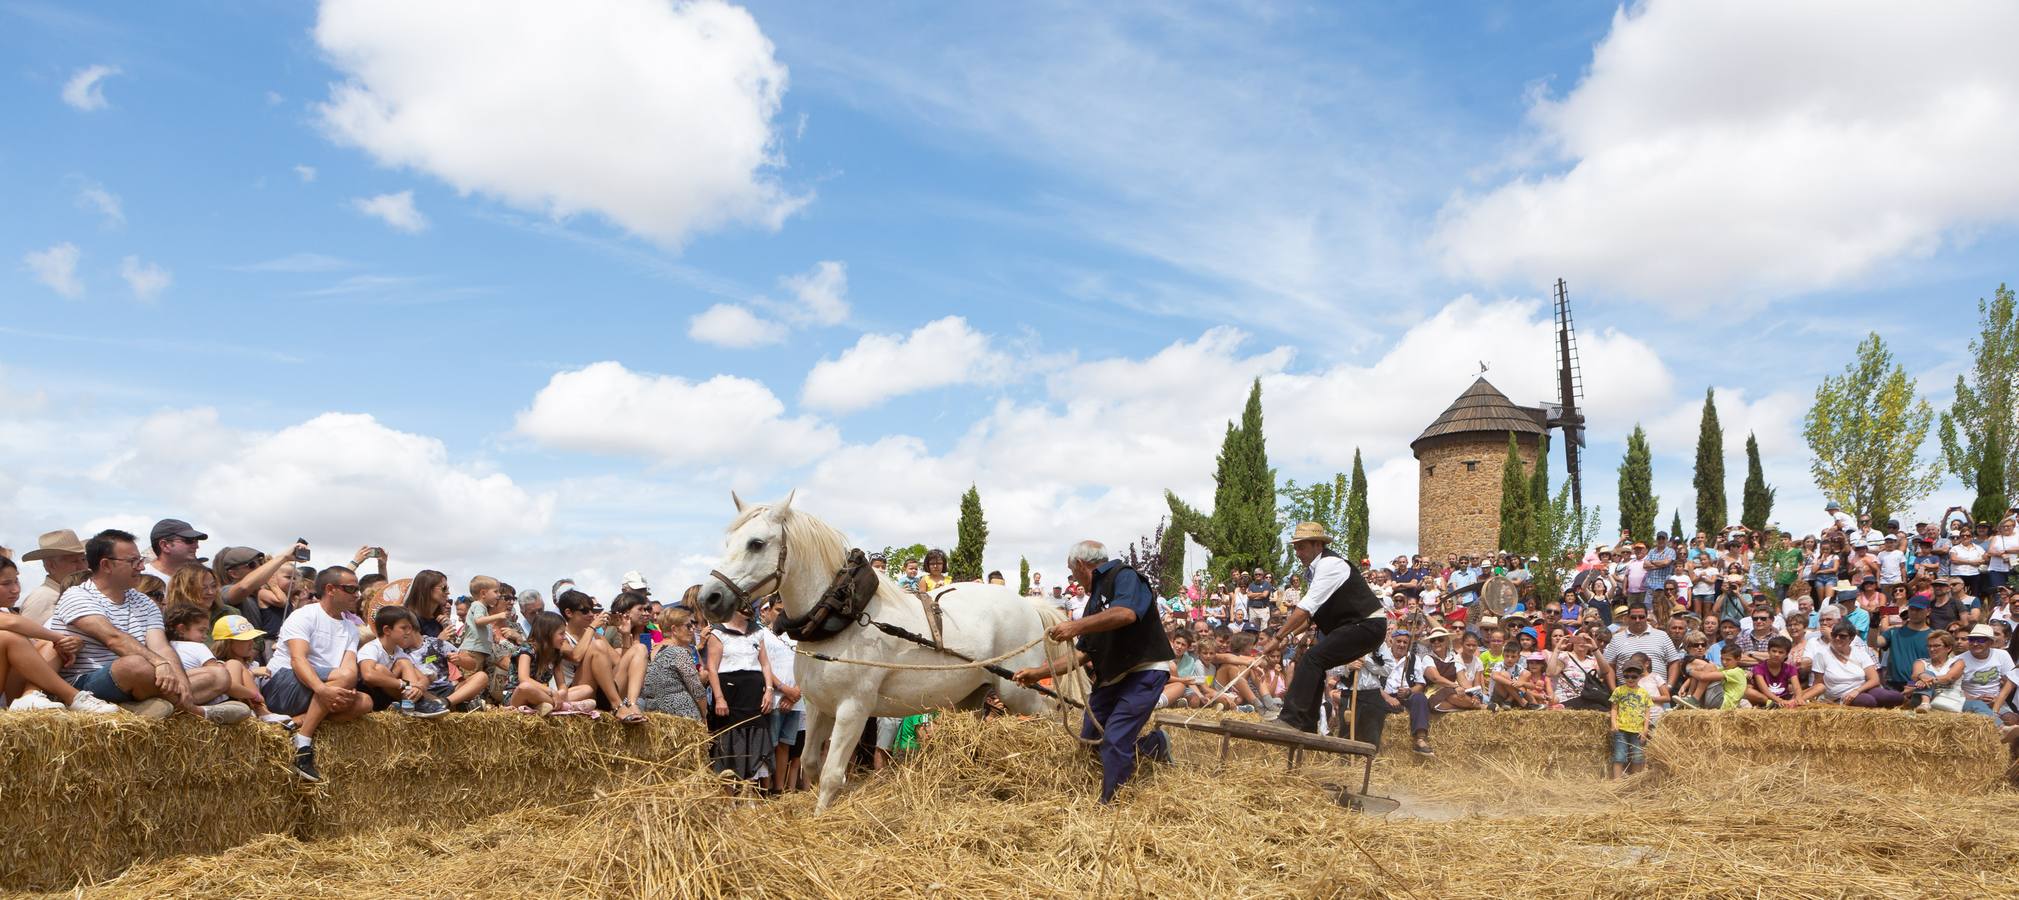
763 586
845 603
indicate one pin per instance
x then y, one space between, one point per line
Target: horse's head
753 560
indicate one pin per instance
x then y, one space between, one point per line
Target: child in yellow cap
232 641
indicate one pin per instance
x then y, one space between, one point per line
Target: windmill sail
1569 393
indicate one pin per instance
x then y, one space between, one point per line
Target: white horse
777 548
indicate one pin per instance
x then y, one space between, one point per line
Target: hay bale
387 769
86 796
1911 752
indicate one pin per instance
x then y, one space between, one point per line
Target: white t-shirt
1965 557
375 651
328 638
193 653
778 651
1983 677
1890 562
1840 676
2001 551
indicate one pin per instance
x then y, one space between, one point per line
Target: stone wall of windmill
1459 463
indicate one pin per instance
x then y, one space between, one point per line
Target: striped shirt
1654 642
136 615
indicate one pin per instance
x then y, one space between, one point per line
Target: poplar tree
1356 512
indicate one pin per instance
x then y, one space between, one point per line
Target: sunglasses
346 588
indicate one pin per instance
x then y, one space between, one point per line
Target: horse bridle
764 586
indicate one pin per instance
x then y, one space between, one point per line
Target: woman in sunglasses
1847 673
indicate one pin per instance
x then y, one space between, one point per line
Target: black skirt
743 737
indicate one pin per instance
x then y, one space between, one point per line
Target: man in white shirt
315 664
1347 616
1985 670
1892 562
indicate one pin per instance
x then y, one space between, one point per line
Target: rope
914 667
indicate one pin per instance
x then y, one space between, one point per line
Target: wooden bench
1296 742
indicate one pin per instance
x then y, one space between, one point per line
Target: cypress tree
1173 558
1023 576
1675 528
1759 498
1514 516
1539 508
1356 512
1637 502
1710 473
1242 531
964 564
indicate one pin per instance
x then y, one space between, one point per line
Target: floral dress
672 685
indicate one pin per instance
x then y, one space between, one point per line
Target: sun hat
1309 531
1436 633
234 628
1983 631
55 543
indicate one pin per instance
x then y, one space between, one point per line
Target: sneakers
472 705
304 764
86 702
424 708
274 718
228 712
150 708
36 700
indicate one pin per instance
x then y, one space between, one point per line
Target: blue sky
526 289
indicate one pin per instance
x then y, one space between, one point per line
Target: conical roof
1482 409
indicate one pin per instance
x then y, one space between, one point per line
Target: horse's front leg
849 716
819 724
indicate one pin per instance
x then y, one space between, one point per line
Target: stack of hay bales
85 797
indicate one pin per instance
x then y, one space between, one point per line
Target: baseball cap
1832 505
633 581
1919 601
1536 657
234 628
233 557
1861 544
174 528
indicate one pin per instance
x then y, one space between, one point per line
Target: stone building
1459 460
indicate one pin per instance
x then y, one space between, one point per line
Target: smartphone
377 553
301 550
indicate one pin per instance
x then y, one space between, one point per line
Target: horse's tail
1073 685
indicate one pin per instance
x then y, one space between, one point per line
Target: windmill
1566 414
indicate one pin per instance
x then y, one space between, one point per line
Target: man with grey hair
1121 637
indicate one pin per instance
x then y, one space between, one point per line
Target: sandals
630 714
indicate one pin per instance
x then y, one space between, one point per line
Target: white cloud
822 293
724 421
274 98
364 483
730 325
653 114
396 210
305 173
146 279
96 198
1724 149
297 262
940 353
56 267
86 90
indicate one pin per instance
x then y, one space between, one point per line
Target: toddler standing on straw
1630 706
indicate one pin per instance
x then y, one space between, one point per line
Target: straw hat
1310 531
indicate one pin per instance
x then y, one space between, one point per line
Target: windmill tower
1568 414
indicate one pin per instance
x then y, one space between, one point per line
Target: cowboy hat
55 543
1309 531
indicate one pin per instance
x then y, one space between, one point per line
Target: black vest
1115 652
1350 602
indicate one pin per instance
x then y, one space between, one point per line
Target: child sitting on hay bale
387 672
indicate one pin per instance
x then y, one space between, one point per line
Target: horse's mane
815 544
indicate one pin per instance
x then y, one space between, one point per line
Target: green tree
964 564
1539 507
1515 516
1563 533
1023 575
1675 528
1637 502
1991 504
1173 558
1355 516
1985 399
1712 513
1864 432
895 557
1243 529
1759 498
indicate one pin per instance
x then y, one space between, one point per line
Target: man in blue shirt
1121 636
1660 563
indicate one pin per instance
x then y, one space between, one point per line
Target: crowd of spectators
1851 614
